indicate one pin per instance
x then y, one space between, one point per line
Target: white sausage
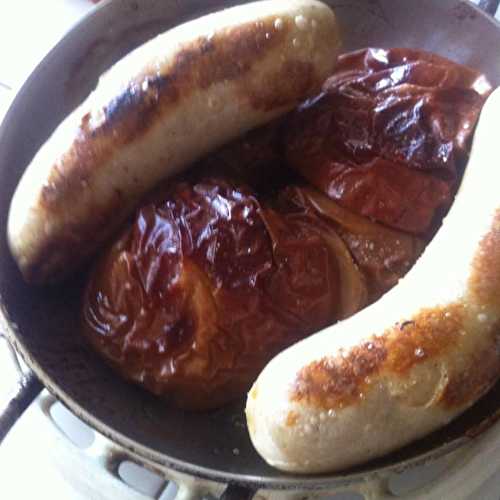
409 363
163 106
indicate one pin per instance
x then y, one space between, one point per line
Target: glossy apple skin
204 288
389 136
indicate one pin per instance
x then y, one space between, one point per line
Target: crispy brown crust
430 334
226 56
291 419
336 383
484 281
333 383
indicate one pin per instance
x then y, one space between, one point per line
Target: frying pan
42 324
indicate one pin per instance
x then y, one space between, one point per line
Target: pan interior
45 322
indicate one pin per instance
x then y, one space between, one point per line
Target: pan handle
27 389
489 6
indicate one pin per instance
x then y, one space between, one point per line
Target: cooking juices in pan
285 231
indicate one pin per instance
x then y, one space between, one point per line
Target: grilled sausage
163 106
409 363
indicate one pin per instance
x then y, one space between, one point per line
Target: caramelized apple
388 136
204 288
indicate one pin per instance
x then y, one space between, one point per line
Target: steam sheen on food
388 138
204 288
286 230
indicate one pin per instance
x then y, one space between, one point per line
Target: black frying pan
42 324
